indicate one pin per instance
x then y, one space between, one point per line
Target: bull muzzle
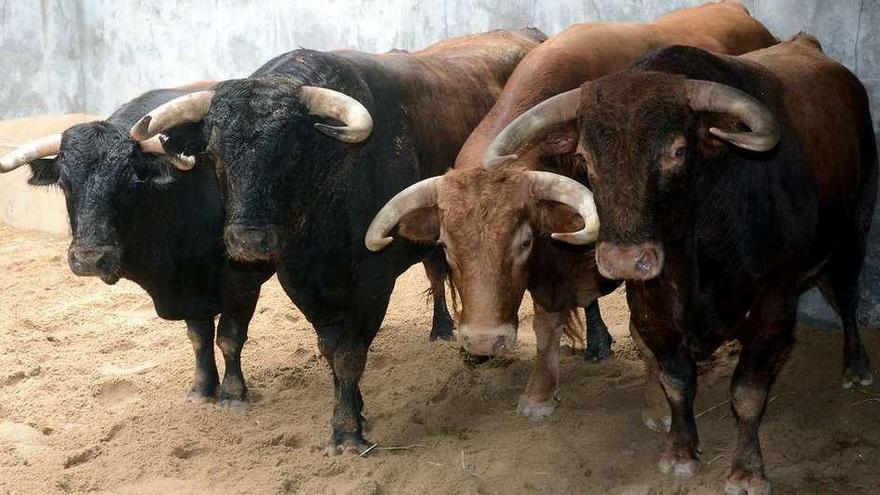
100 261
482 341
253 243
630 262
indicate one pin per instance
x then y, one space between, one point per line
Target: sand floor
92 388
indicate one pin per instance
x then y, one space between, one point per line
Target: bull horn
156 146
328 103
418 195
561 189
183 109
28 152
714 97
535 122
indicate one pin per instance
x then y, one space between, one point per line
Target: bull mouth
253 244
101 262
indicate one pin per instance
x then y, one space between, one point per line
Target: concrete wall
59 56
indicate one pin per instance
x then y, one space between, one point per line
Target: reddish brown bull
496 224
726 187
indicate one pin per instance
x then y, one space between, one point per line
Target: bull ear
421 225
550 216
44 172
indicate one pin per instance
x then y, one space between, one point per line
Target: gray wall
92 55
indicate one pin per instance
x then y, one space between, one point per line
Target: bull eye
679 151
441 244
527 243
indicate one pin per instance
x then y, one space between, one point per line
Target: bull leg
239 303
201 334
655 415
347 361
678 377
345 347
758 366
598 339
840 288
231 336
442 325
539 399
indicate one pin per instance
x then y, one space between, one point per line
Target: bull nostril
499 345
642 263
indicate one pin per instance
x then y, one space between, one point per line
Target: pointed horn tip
182 162
141 130
378 244
759 145
579 238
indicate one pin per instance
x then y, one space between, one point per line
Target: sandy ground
93 383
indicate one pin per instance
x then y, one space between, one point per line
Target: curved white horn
28 152
418 195
183 109
715 97
328 103
555 187
534 122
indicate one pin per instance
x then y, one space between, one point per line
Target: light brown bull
496 224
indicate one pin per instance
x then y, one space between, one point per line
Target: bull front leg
760 360
655 415
347 360
239 302
539 399
205 381
678 378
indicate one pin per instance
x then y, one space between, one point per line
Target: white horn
328 103
28 152
555 187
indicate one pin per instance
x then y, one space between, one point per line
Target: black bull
130 217
304 200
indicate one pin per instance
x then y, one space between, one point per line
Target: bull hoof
742 483
199 397
678 465
598 353
657 421
858 375
442 329
536 412
348 443
233 404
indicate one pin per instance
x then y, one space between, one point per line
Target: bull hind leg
759 363
539 399
442 324
839 285
201 334
598 339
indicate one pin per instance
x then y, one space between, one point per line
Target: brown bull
496 224
726 187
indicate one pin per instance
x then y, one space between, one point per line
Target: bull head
624 120
488 222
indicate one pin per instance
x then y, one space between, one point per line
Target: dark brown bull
726 187
496 224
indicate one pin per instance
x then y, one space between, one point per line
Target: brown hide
590 50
